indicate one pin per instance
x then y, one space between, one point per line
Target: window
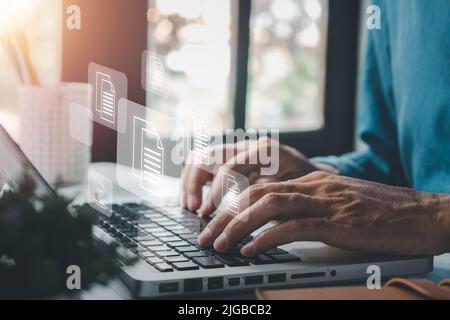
40 19
287 64
194 39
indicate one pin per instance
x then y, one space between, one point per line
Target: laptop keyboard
166 238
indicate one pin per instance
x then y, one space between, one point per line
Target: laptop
171 263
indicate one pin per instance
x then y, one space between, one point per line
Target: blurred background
284 64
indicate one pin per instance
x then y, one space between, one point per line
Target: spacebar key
208 262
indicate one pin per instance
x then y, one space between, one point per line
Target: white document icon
106 98
230 193
158 74
201 142
152 162
100 193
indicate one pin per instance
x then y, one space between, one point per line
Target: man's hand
292 164
339 211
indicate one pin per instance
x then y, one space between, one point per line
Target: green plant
40 238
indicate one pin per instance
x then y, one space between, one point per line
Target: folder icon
152 162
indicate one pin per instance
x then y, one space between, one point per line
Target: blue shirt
404 116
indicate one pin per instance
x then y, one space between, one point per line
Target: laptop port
234 281
278 277
252 280
193 285
168 287
215 283
308 275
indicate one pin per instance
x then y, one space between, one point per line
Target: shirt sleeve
376 119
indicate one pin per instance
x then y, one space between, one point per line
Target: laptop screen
13 166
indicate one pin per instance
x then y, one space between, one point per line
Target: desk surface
116 290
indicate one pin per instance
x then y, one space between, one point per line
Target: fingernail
221 242
191 202
183 200
204 237
203 211
248 249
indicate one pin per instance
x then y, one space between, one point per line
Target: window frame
337 134
335 137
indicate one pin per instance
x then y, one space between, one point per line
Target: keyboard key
143 238
147 225
287 257
190 237
158 248
178 244
161 234
149 243
275 251
162 219
163 267
261 259
167 253
182 266
170 239
154 230
168 224
145 254
196 254
208 262
178 228
231 261
154 260
136 206
176 259
186 249
182 232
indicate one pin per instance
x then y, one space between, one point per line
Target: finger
197 174
214 227
236 165
248 197
273 206
293 230
193 180
220 221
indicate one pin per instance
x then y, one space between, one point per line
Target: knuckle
261 242
271 200
317 175
254 191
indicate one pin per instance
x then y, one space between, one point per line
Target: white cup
45 135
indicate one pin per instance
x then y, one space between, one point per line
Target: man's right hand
292 164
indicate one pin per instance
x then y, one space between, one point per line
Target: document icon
152 162
230 193
100 192
200 147
105 97
158 74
